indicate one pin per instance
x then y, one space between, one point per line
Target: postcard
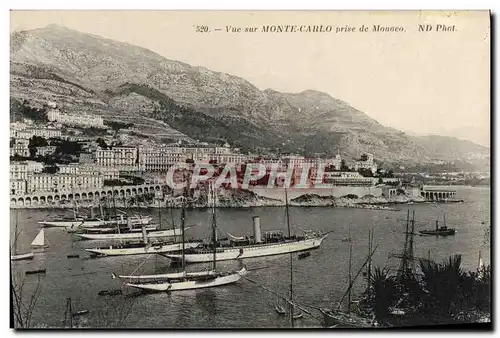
250 169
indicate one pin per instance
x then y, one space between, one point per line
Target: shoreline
304 201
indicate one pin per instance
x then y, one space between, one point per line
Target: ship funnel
144 235
92 212
256 229
437 225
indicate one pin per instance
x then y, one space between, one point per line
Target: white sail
39 240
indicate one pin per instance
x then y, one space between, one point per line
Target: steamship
233 248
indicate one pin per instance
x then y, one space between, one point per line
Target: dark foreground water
319 280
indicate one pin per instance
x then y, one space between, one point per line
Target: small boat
33 272
298 315
280 310
80 313
73 256
110 292
304 255
21 257
439 231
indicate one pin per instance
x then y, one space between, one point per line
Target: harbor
319 280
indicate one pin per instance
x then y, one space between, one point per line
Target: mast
214 227
173 222
159 213
369 272
349 272
291 259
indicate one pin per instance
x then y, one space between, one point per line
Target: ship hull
94 223
252 252
133 235
21 257
151 249
189 284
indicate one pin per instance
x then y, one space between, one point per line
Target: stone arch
42 200
13 201
35 200
134 191
110 193
70 196
96 194
127 192
20 201
84 195
157 188
50 198
146 190
63 197
139 191
77 196
122 192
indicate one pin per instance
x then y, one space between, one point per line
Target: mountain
84 72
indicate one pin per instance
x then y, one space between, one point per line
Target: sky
425 82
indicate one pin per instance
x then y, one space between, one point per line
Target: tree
343 166
37 141
102 144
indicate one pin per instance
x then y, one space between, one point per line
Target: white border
191 4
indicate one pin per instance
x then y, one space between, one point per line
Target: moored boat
272 243
189 280
24 256
131 235
140 248
439 231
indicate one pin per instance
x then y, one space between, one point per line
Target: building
84 120
106 173
45 132
86 158
17 187
347 178
20 170
118 157
160 159
44 151
366 162
42 182
20 149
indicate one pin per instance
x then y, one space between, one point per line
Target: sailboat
346 319
129 232
39 241
89 222
15 256
188 280
237 248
